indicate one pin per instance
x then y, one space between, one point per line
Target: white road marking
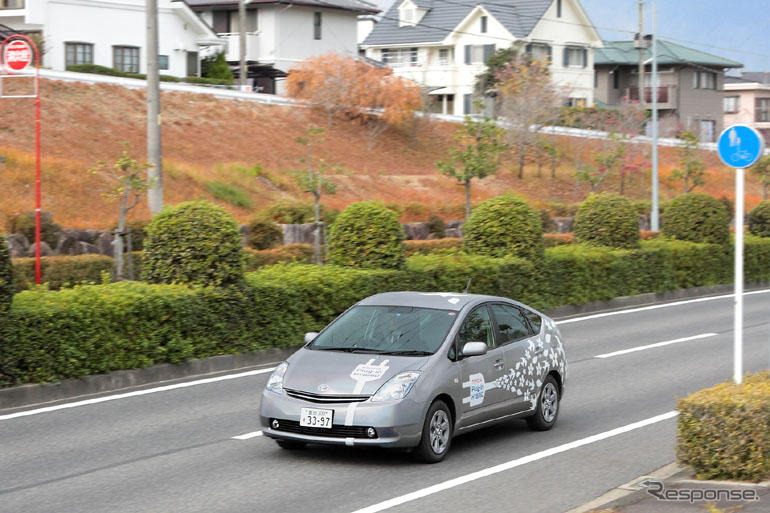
657 344
655 307
248 435
430 490
134 394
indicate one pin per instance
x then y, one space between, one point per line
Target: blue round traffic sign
740 146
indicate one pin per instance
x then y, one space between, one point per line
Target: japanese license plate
317 418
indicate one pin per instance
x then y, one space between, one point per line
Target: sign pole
738 317
37 165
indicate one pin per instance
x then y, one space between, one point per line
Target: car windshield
397 330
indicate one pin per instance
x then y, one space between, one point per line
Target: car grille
292 426
324 398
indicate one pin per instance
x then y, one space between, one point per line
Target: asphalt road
173 450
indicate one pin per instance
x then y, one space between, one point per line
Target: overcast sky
740 25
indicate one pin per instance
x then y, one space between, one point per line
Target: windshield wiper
347 349
408 352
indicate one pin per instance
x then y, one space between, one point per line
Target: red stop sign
17 55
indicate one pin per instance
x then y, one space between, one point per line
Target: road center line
397 501
135 393
247 435
655 307
657 344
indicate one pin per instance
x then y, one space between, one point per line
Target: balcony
233 48
11 4
666 96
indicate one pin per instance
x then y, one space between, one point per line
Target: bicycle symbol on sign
735 142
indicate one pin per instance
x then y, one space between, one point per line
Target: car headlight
275 381
396 387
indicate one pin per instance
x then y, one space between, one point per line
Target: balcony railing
11 4
666 96
233 51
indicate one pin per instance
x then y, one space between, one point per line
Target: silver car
410 369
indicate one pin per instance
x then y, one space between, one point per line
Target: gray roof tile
348 5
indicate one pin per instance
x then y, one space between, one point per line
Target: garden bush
436 227
24 224
193 242
504 226
426 247
551 240
7 288
262 233
723 432
296 212
61 271
367 235
697 217
300 253
607 220
759 219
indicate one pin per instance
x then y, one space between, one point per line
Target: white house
281 33
111 33
443 44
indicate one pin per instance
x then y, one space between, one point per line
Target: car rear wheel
291 445
436 434
547 406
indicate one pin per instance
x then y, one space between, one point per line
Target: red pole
37 164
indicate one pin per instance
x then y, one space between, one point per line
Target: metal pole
654 219
242 42
37 164
155 171
641 53
738 320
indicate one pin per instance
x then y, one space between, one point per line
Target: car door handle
499 364
539 348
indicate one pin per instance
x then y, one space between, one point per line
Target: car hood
339 373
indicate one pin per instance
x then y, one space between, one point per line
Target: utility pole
640 43
155 171
242 42
654 219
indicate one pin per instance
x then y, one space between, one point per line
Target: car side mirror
474 349
310 336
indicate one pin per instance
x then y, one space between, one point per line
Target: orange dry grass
206 139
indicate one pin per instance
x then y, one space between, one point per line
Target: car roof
439 300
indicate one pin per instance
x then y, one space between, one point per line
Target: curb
28 395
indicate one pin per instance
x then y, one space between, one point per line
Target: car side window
511 323
477 327
534 320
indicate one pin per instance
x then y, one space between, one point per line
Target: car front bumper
397 423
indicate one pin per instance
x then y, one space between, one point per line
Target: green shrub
694 264
24 223
61 271
552 240
296 212
759 219
756 259
367 235
607 220
642 207
6 281
436 227
723 432
299 253
504 226
697 217
216 67
230 193
193 242
208 81
426 247
263 234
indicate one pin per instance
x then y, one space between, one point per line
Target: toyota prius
413 370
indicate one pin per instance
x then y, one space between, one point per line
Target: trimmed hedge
723 432
367 235
300 253
61 271
607 220
98 328
697 217
262 233
6 282
504 226
426 247
759 219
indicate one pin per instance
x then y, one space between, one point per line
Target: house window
11 4
444 58
316 25
704 80
483 24
400 56
467 104
78 53
615 79
558 8
539 51
163 62
763 110
478 54
575 57
125 58
596 79
707 130
731 104
576 102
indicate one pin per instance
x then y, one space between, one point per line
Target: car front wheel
436 434
547 406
